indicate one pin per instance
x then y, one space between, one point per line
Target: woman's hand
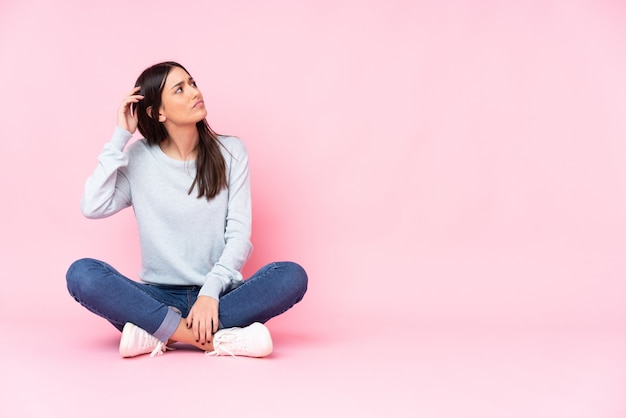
203 319
127 119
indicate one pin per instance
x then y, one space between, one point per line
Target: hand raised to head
126 118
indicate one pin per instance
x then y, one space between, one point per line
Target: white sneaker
136 341
251 341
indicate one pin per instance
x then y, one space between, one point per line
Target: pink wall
457 163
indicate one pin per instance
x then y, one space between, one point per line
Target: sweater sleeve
107 190
226 273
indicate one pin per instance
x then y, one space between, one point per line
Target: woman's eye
179 90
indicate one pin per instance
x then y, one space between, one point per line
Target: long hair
210 165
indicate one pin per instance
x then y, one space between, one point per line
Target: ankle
185 335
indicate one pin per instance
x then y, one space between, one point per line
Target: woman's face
182 102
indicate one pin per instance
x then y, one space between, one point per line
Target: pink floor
401 369
451 174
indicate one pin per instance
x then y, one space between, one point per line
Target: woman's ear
161 115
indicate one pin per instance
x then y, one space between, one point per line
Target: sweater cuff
212 288
120 137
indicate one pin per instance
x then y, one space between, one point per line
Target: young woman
190 191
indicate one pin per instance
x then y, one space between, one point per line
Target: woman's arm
226 273
107 190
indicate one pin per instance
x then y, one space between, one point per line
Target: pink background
452 175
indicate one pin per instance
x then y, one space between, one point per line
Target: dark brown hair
210 165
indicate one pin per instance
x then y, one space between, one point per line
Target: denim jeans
158 309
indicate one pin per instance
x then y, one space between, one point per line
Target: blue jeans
158 309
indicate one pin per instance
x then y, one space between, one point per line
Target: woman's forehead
175 76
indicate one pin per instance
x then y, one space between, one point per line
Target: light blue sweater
184 240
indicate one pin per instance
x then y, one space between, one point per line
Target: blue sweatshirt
185 240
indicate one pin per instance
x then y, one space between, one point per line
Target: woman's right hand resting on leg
203 319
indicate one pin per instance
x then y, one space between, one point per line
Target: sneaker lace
219 346
160 348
